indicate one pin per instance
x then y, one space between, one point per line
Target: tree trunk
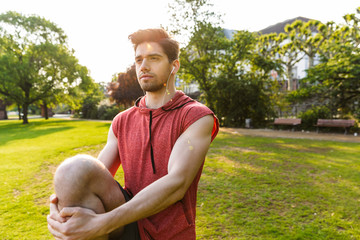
46 112
290 80
25 113
6 116
19 110
311 61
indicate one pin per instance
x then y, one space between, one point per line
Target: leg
84 181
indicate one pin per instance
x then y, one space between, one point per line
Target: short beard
151 87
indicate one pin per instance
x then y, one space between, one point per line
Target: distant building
279 27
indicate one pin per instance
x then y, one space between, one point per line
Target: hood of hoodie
179 100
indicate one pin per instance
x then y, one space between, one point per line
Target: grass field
251 187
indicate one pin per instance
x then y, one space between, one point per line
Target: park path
296 134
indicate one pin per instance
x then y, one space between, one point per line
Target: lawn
251 187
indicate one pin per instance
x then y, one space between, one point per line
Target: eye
153 58
138 60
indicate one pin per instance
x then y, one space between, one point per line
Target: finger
53 199
53 232
54 228
56 235
68 211
57 217
54 208
54 212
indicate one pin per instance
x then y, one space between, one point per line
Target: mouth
146 76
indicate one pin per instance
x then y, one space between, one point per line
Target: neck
158 99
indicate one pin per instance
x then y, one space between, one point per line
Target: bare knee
82 180
73 180
77 169
74 172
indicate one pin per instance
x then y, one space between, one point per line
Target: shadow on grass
15 130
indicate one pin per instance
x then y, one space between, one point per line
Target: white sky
98 30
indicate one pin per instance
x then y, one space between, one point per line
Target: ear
176 66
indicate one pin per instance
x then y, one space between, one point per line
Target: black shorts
131 231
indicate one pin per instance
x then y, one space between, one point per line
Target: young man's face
152 66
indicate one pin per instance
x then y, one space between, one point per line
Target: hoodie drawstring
150 124
151 147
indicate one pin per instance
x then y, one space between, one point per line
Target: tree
303 37
201 57
125 89
35 62
3 113
243 88
187 15
203 42
335 80
353 21
288 55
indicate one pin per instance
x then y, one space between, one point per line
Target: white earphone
166 84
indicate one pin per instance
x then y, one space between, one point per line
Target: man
161 144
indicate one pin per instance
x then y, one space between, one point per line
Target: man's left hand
82 224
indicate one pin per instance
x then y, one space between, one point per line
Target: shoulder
123 114
196 112
195 105
116 122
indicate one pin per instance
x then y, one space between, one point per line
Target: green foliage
106 112
89 107
238 92
197 25
200 58
309 118
36 65
337 81
241 98
188 15
92 106
303 38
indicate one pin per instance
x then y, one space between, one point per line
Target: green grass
266 188
29 156
251 187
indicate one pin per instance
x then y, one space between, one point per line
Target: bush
310 117
106 112
89 107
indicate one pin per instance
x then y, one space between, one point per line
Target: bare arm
109 156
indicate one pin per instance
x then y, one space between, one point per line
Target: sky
98 29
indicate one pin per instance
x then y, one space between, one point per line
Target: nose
144 67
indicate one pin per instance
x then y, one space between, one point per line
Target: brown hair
160 36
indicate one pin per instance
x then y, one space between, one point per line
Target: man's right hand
54 210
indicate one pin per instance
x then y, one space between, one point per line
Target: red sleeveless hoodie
145 140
